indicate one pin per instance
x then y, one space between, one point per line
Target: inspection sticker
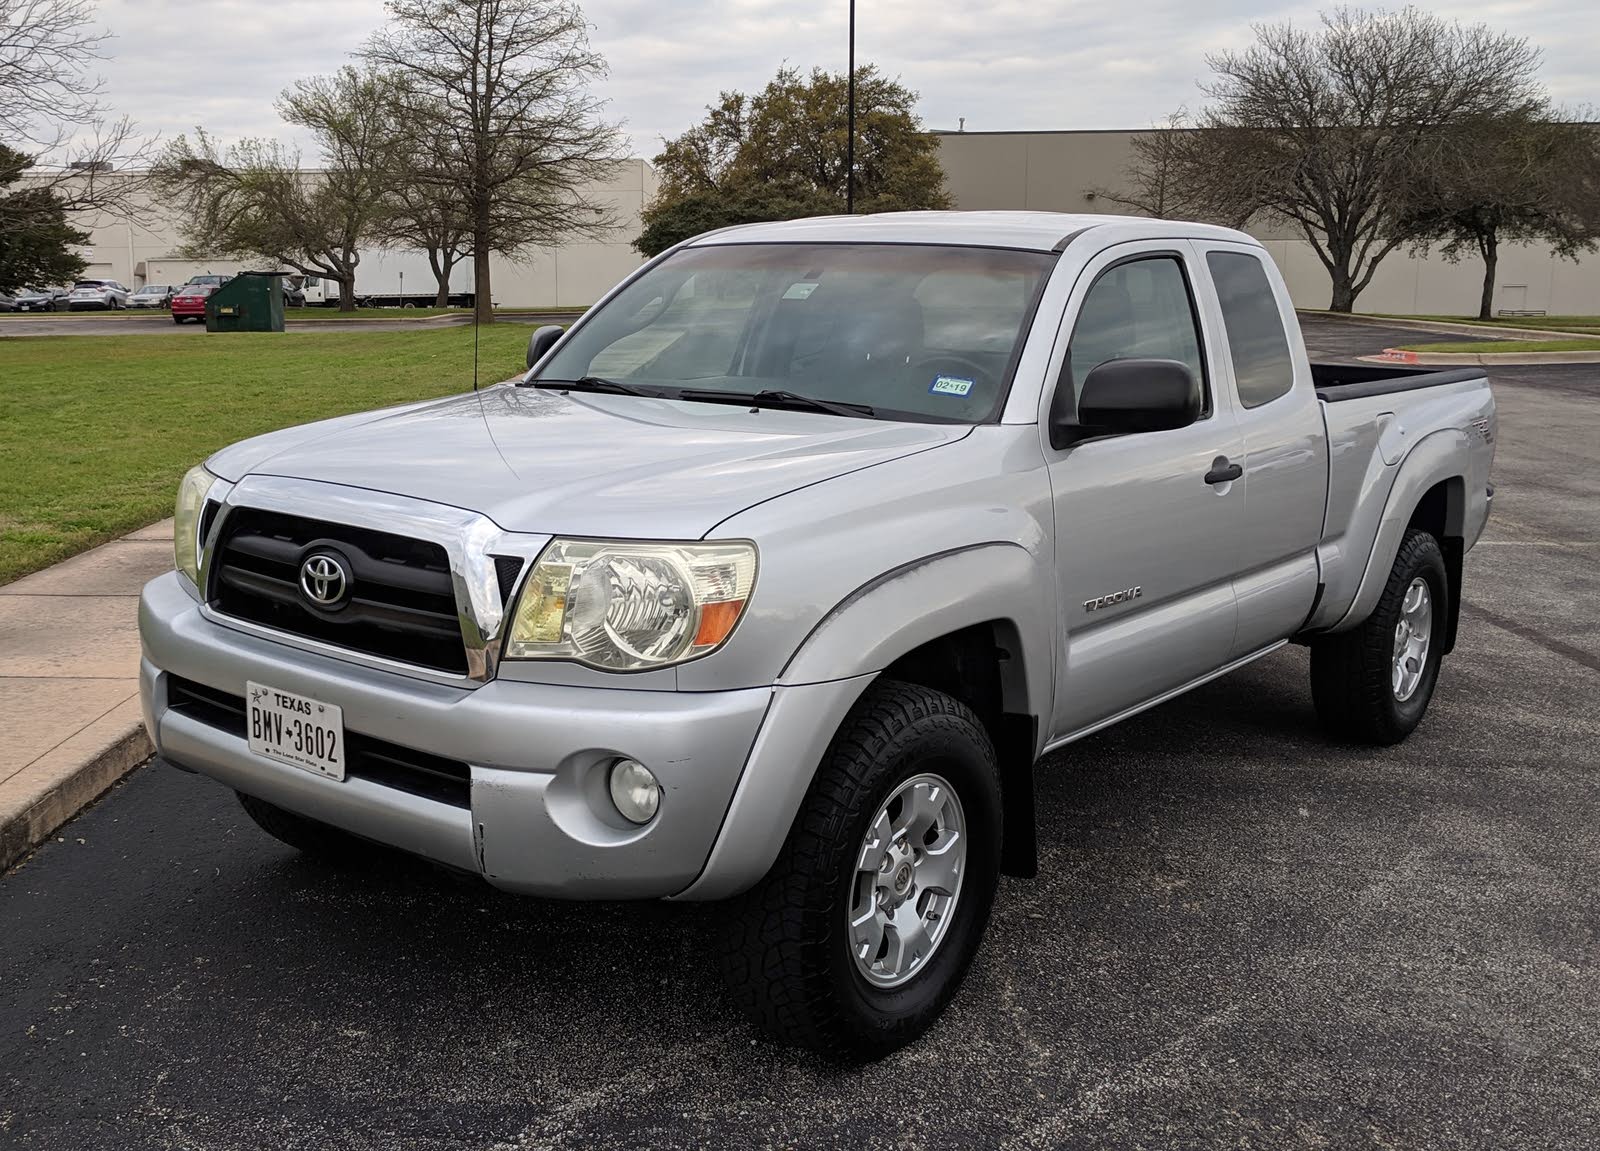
950 386
799 291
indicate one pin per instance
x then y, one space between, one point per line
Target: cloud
1007 64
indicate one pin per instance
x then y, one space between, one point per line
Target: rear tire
790 955
308 835
1364 687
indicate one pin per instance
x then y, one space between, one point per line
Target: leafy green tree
35 240
1509 179
782 153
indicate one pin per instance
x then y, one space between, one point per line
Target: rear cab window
1263 369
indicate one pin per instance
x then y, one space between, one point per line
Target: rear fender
1435 459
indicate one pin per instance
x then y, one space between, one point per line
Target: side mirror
542 341
1121 396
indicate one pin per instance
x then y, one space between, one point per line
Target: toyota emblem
324 579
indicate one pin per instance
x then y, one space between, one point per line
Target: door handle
1223 472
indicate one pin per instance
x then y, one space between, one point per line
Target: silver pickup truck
778 572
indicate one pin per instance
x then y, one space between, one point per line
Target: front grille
378 761
506 571
401 604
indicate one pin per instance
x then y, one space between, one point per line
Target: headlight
625 606
186 521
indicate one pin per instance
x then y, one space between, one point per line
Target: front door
1145 545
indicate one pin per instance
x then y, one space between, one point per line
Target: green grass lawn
1475 346
291 314
95 431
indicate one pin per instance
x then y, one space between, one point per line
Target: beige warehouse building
146 249
1065 171
1044 171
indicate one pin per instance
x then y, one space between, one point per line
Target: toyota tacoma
777 574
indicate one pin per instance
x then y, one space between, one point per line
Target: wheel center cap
898 874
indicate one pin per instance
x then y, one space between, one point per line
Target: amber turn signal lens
716 621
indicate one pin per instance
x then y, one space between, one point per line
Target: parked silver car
152 296
97 294
778 573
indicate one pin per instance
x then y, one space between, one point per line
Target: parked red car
189 302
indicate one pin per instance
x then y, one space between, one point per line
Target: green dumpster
250 302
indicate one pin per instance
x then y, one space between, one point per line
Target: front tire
859 936
1372 684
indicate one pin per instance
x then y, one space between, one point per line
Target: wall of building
143 247
1069 171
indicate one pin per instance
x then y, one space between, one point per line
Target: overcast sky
1002 64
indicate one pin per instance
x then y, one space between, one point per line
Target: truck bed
1336 382
1375 414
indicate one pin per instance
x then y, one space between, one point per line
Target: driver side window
1141 309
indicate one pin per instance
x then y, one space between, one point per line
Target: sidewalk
69 686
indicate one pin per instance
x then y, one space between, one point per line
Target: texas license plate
295 729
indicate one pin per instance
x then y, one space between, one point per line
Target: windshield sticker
799 291
950 386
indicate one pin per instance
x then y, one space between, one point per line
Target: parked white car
152 296
97 294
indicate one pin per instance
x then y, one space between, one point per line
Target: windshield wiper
778 398
597 384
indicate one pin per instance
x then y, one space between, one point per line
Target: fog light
635 791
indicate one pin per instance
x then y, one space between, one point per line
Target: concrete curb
1451 327
1480 359
55 789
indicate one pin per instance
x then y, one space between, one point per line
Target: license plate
297 730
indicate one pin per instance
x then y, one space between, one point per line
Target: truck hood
582 464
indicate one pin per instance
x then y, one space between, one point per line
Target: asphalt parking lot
1242 935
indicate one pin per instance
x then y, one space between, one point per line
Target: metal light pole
850 128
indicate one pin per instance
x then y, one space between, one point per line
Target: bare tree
253 199
506 83
426 214
1323 128
52 109
1155 173
1508 179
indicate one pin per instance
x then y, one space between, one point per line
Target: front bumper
539 820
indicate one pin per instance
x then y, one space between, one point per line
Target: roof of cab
1034 231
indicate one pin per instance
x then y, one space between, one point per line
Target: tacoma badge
1116 597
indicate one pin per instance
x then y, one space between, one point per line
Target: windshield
917 332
